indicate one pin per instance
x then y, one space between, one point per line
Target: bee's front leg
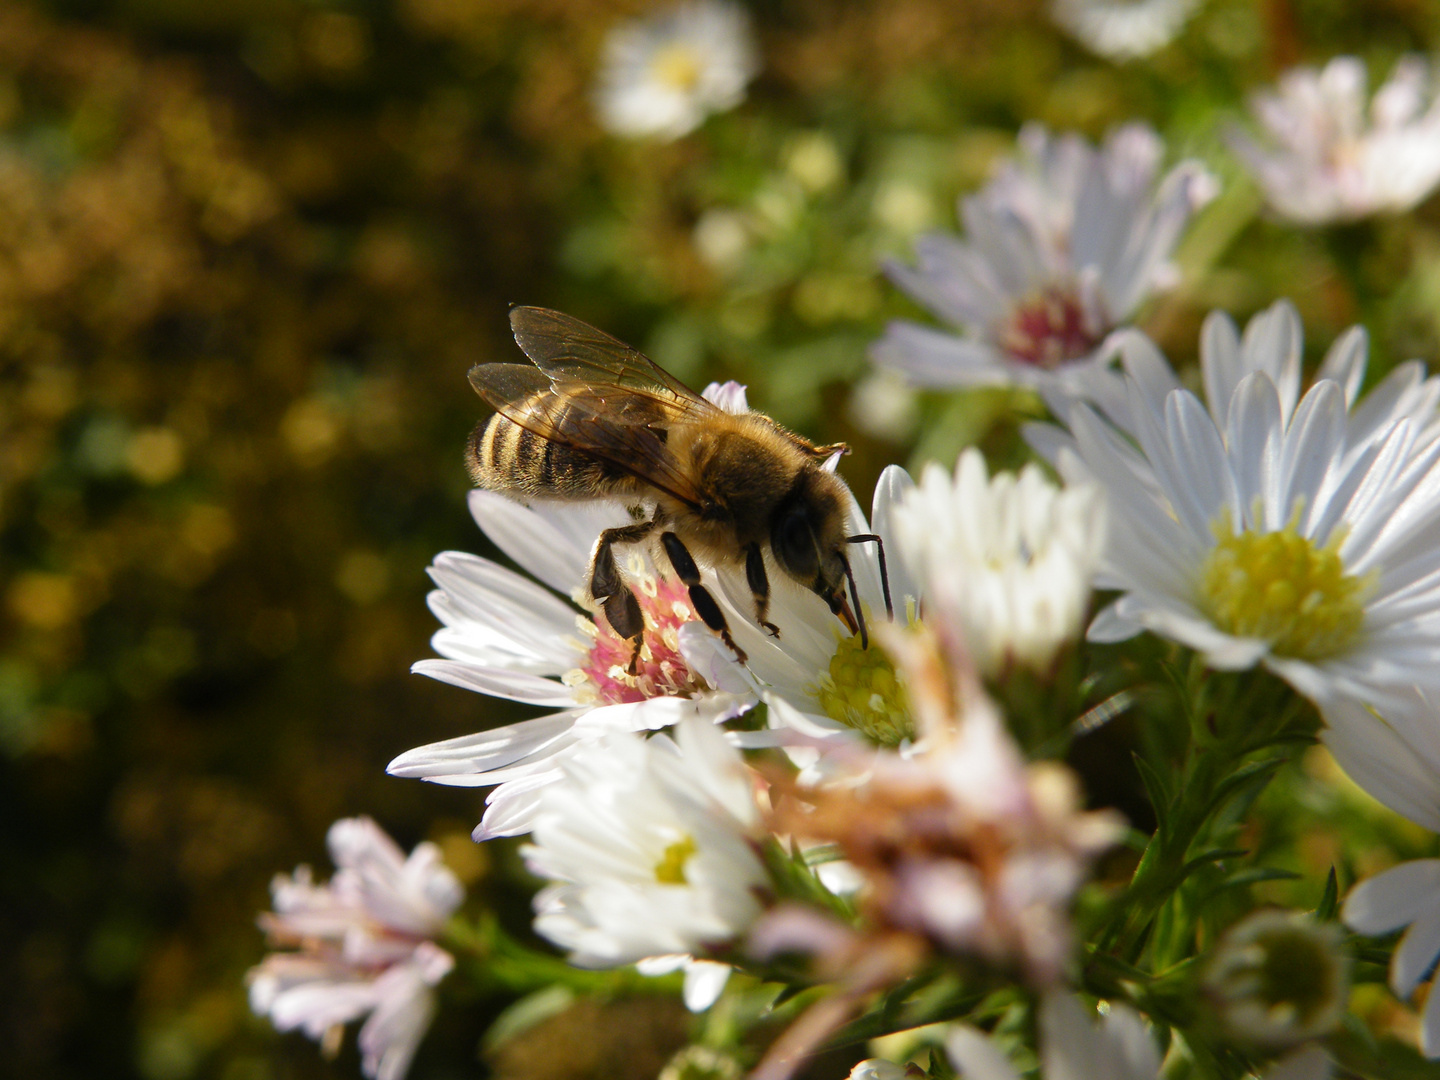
704 604
622 610
759 586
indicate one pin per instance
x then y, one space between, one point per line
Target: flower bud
1278 978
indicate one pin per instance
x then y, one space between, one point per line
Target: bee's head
807 538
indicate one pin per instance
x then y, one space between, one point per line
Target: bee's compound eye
793 542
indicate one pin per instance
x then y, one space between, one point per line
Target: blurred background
248 249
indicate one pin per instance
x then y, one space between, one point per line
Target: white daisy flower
363 946
1123 29
1118 1047
662 76
649 848
1063 245
1257 537
509 636
1007 563
1397 761
1327 161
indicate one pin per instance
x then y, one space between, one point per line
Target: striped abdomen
503 456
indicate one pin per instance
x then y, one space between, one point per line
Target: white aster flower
1063 245
1123 29
1397 761
1297 538
1330 162
509 636
1007 563
649 845
662 76
364 946
1118 1047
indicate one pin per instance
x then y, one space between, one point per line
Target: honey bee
596 419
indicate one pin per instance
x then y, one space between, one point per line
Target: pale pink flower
1061 248
1330 161
363 946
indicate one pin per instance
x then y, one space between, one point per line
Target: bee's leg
622 610
873 538
759 586
704 604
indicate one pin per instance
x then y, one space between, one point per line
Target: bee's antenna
855 597
865 538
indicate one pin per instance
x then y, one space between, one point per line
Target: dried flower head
962 842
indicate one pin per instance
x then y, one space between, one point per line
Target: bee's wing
625 429
570 351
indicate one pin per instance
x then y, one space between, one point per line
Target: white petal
1383 762
1393 898
496 682
556 556
483 751
1308 1063
1418 950
933 358
1430 1028
1069 1043
704 982
977 1057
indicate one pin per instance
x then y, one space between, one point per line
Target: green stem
1162 866
1230 717
499 963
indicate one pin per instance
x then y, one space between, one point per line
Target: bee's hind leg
700 598
622 610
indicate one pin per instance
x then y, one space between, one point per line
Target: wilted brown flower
963 848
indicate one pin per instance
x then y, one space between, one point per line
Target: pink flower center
660 670
1049 327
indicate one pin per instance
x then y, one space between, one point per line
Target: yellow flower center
861 690
670 870
676 66
1280 587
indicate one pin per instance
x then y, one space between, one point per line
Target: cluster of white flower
1260 523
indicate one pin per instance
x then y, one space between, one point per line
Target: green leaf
1253 876
1211 857
1159 793
793 879
1330 901
1256 773
524 1014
